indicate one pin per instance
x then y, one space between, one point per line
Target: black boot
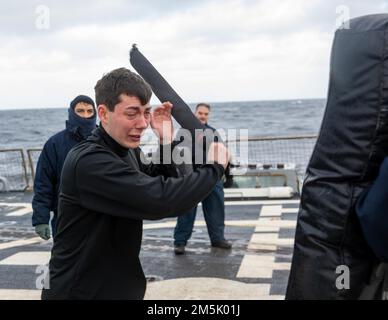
179 249
223 244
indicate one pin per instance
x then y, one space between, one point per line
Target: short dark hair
118 81
202 104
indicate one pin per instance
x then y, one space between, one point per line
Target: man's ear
102 111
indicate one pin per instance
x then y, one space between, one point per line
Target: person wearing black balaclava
80 124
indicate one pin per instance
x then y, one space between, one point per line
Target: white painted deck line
261 202
19 212
270 239
205 289
257 245
271 211
266 222
15 204
27 258
290 210
19 294
19 243
260 266
271 222
262 247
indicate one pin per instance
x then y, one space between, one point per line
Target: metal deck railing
17 171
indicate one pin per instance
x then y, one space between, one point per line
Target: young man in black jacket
107 190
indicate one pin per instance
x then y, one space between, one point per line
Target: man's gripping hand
43 231
218 153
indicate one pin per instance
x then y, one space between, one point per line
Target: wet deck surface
257 267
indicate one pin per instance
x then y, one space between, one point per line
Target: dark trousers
214 212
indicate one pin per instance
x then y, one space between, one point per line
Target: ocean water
30 128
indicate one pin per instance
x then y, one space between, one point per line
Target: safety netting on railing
17 171
13 171
272 151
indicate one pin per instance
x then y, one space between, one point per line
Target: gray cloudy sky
227 50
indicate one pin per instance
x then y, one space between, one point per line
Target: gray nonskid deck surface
257 267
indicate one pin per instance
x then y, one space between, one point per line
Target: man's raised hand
161 122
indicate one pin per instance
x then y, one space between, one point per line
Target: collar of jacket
117 148
81 127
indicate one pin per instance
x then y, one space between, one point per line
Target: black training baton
180 111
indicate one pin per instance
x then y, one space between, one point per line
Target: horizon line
189 103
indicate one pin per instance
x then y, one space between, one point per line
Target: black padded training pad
352 143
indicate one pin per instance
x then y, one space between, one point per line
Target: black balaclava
78 124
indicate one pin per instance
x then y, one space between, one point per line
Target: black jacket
106 192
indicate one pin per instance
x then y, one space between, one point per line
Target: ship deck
257 267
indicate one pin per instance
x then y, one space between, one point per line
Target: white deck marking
205 289
260 202
15 204
290 210
19 294
19 243
271 211
19 212
270 239
262 265
267 222
27 258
